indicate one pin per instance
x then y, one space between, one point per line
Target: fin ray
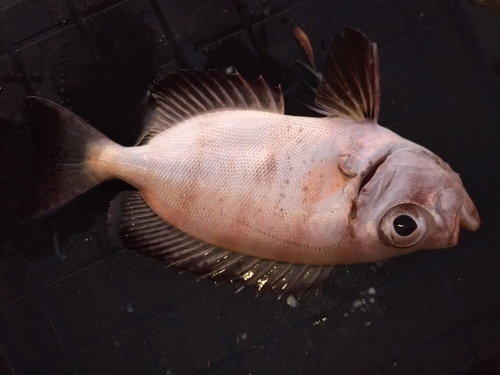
350 84
187 93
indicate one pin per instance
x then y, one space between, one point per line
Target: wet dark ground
71 302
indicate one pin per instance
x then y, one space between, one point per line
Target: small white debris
291 301
129 308
241 337
363 304
318 322
367 323
357 304
346 314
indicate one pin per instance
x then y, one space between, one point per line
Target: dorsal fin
350 86
140 229
187 93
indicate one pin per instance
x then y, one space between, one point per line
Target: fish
229 187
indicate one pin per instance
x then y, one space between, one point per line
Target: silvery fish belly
228 187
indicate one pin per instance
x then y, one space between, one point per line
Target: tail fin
62 172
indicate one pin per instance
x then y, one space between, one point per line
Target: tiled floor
71 302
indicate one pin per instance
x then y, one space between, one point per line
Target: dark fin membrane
188 93
62 172
140 229
350 86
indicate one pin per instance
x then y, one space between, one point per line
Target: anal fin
140 229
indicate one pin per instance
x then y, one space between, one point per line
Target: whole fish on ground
228 187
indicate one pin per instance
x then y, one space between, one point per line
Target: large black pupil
404 225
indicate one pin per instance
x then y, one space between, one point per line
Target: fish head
408 199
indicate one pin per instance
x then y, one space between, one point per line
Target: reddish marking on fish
351 216
353 209
201 143
266 171
323 180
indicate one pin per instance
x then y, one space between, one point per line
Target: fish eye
403 226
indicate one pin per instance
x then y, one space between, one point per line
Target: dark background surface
72 303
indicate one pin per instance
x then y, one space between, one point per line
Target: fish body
229 186
263 184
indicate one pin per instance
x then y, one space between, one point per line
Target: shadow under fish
231 188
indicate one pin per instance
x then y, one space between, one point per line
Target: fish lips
452 209
455 200
445 207
469 217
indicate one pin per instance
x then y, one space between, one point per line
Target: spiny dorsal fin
350 87
140 229
187 93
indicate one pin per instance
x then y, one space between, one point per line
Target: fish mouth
453 209
469 221
371 171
